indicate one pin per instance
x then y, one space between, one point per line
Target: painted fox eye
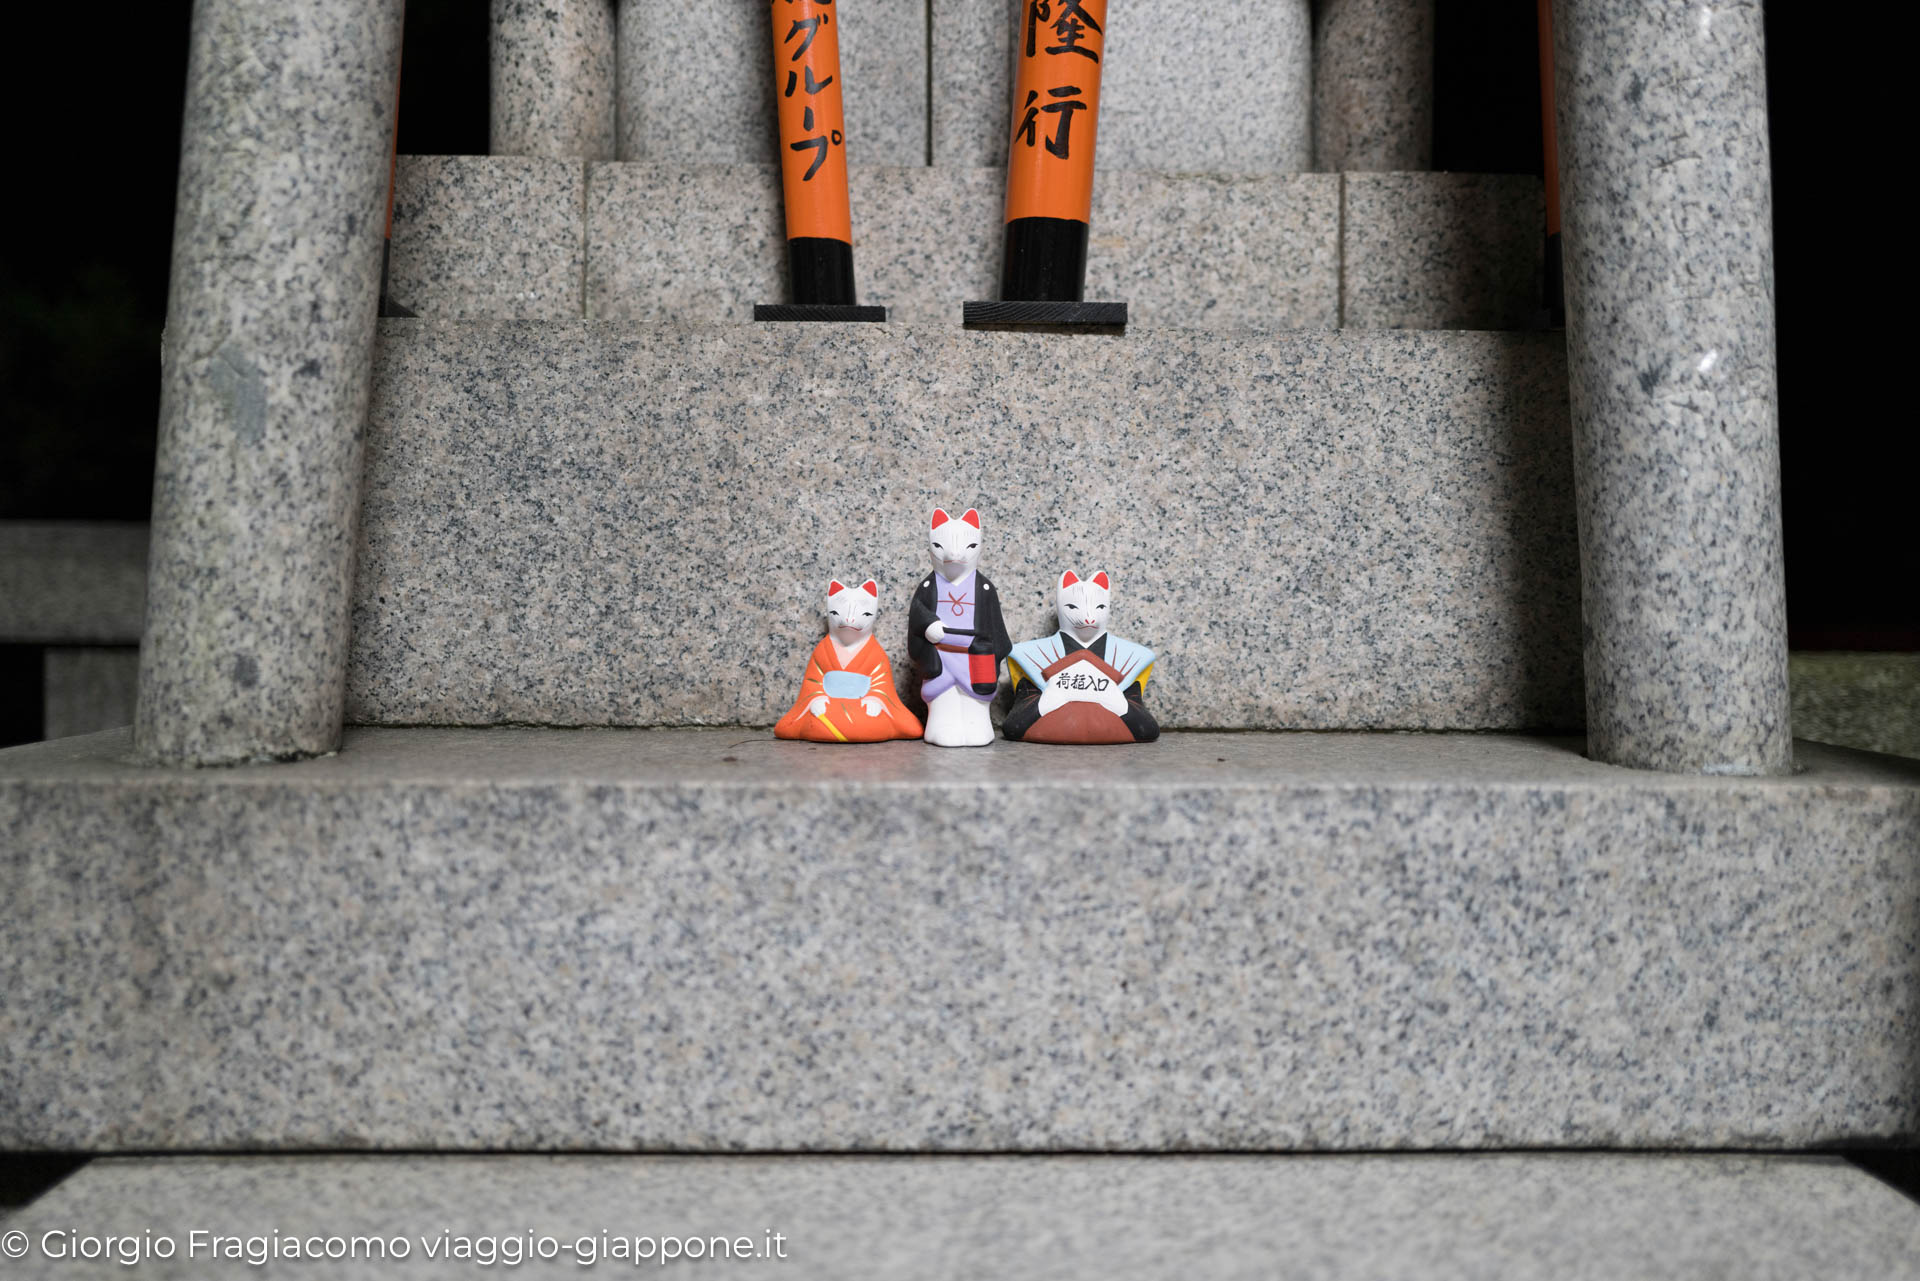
971 546
868 614
1101 607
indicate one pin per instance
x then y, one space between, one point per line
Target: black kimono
968 657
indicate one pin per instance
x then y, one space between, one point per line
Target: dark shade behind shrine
83 279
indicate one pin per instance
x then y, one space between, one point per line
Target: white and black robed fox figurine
955 636
1082 684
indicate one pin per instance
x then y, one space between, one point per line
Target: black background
94 104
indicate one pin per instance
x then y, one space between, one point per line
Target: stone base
1584 1217
711 940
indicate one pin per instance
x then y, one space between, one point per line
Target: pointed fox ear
940 517
972 517
871 588
1100 580
835 587
1067 579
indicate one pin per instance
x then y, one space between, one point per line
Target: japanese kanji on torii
1059 48
1056 114
813 167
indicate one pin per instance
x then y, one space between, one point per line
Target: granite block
1511 1217
1216 251
284 176
72 582
702 246
551 510
1870 701
1373 85
1667 204
520 939
551 79
88 688
697 83
1441 250
1212 88
501 237
972 75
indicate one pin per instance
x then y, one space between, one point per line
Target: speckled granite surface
1373 85
270 325
702 245
709 939
1315 1218
502 237
1221 87
551 86
972 42
1864 700
568 524
1667 199
1441 250
697 82
72 582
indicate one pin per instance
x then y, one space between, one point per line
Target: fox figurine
847 694
1082 684
955 635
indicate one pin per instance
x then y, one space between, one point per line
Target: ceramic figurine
847 695
1082 684
955 636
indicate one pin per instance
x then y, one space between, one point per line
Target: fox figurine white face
955 543
850 610
1082 605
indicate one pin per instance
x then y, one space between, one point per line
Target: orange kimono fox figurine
847 695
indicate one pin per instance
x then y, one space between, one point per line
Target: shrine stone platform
597 523
709 940
670 241
1579 1217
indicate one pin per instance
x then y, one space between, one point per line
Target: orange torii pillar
1056 113
813 167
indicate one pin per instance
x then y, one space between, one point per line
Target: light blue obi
845 684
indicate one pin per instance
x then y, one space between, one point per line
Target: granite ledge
707 940
1515 1217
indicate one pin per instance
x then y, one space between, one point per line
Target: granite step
517 238
1381 1218
709 940
596 523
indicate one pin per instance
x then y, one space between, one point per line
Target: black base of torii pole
1056 103
813 168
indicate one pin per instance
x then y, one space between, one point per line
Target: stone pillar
553 79
1373 85
265 377
1666 203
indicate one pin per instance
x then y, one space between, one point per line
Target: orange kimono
866 675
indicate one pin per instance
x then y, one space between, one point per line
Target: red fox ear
940 517
1067 579
834 587
972 517
871 588
1100 580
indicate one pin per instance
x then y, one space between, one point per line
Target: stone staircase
559 890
